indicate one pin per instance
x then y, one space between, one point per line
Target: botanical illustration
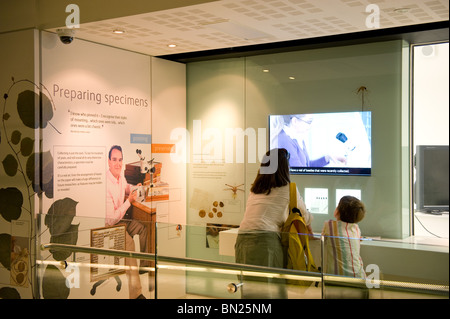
20 161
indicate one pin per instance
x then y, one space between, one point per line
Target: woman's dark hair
351 209
265 182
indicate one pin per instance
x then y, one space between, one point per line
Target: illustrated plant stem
30 211
12 148
20 169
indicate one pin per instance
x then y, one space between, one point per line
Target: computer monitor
432 178
336 143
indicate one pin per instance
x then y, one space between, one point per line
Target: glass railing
80 258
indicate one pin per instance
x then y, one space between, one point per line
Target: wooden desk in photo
147 216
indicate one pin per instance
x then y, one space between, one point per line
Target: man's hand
132 197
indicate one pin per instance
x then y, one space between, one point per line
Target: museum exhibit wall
327 80
238 93
169 115
18 61
92 97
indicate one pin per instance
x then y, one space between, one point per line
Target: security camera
66 35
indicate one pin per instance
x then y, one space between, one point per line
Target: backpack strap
292 197
299 229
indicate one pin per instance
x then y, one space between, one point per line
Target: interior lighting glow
401 10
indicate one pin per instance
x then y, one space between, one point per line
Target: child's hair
351 209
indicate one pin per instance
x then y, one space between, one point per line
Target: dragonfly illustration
234 189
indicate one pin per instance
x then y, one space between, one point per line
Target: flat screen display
432 178
324 143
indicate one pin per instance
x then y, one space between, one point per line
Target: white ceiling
234 23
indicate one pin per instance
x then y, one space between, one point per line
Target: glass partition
91 261
371 268
80 258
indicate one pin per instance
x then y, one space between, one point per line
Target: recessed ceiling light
291 78
265 70
118 31
214 21
401 10
172 45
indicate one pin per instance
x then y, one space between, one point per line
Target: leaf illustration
15 137
44 162
26 146
9 293
69 238
60 215
46 167
46 109
27 110
48 189
10 165
5 250
11 201
54 284
32 172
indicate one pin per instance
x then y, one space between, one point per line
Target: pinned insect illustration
234 189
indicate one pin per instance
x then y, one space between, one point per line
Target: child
342 239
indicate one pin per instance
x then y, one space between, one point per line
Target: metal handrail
282 272
300 275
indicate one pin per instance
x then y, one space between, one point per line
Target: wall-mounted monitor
325 143
432 178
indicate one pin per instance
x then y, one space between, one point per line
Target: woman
259 238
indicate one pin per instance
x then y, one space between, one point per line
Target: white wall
430 94
431 117
168 113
